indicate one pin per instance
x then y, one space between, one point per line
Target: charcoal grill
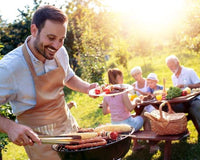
112 150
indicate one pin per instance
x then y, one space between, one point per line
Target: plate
127 87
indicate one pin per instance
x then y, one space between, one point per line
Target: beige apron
50 116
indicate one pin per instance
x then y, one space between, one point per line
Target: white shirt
187 76
16 83
144 89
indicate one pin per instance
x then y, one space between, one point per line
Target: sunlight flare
150 14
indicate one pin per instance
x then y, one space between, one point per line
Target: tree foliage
88 38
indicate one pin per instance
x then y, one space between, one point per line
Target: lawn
88 114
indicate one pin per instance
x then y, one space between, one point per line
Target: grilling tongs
64 139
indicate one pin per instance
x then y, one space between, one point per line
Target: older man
185 77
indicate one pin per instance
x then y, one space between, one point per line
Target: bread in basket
167 123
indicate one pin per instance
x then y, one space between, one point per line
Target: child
152 81
119 106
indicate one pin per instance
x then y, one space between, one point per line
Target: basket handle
148 115
169 109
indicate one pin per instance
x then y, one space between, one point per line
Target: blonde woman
140 84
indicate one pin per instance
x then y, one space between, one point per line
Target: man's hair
112 75
172 58
48 13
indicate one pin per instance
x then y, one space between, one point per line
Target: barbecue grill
112 150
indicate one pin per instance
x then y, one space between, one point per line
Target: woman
140 86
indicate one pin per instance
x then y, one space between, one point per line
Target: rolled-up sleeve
64 60
7 91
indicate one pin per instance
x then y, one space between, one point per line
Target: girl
119 106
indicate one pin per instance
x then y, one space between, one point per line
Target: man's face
50 39
173 66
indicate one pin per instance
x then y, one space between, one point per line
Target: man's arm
19 134
197 85
77 84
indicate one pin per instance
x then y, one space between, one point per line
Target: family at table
120 106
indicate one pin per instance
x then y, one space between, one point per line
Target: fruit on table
184 93
188 90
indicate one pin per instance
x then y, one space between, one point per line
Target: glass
159 97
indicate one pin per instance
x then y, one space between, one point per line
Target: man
32 78
185 77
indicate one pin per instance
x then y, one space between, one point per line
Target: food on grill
113 135
82 130
120 128
86 143
84 135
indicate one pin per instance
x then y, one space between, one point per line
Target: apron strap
28 60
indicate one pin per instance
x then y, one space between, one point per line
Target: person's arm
105 108
77 84
128 103
142 93
19 134
197 85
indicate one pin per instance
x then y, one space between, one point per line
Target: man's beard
41 48
176 70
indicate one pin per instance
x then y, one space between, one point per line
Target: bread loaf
114 127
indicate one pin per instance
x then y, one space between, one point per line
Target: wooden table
149 135
181 99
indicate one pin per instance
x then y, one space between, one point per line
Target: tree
88 38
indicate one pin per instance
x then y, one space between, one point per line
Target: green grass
88 114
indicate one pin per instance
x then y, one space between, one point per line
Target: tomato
107 90
114 135
97 91
183 93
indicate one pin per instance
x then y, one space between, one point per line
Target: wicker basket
163 123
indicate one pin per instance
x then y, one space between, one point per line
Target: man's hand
22 135
93 85
180 86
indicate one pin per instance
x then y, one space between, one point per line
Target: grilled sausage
87 143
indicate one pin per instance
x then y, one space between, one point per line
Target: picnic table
181 99
149 135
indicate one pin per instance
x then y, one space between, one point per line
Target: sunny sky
151 14
8 8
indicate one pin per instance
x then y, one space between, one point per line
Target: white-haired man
185 77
